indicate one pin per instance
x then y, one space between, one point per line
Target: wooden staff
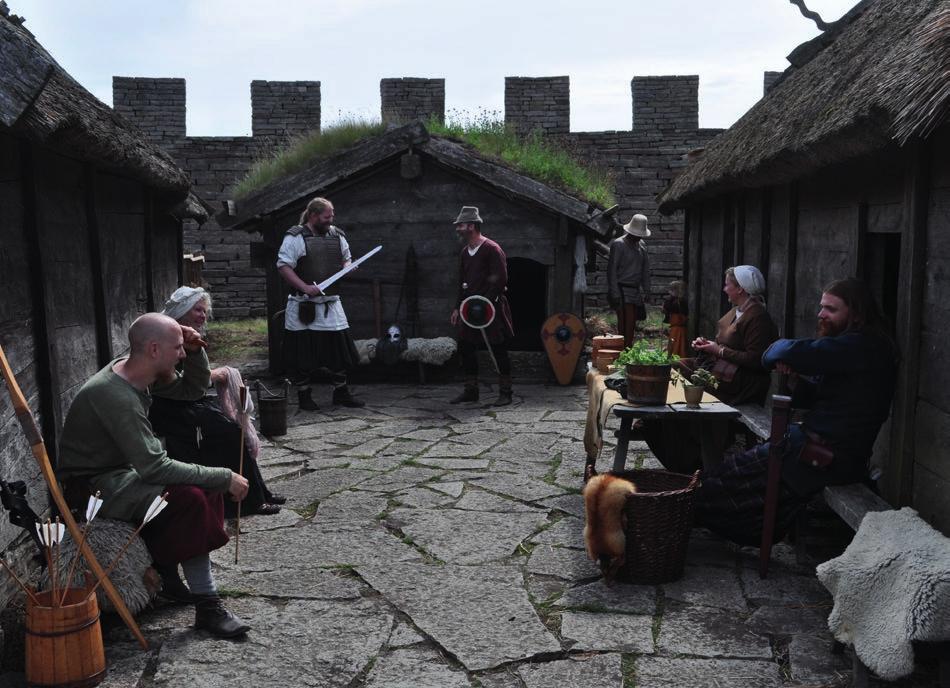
33 436
243 416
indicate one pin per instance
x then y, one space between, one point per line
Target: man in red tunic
482 271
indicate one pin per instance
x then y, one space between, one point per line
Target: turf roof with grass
532 155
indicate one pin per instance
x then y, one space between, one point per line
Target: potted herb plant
695 384
648 367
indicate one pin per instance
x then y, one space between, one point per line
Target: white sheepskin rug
133 577
435 351
891 586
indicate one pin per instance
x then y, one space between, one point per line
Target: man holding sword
317 341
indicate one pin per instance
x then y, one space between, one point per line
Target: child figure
675 310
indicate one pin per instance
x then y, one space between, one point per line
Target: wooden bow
33 436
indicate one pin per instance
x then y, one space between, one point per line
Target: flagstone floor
430 545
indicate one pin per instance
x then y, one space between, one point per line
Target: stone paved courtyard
429 545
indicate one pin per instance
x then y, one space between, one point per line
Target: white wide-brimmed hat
637 226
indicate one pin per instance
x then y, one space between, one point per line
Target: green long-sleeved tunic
108 441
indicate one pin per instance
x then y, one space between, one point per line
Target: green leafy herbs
701 378
645 352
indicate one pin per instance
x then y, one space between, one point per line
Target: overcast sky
220 46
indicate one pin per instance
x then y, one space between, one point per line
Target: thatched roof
881 77
40 101
283 194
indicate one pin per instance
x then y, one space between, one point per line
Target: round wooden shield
563 337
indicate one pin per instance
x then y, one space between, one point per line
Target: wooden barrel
605 341
64 644
647 384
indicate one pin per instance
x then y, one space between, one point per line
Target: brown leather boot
469 393
211 616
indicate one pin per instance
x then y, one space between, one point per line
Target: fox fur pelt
604 499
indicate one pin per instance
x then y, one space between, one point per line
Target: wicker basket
659 518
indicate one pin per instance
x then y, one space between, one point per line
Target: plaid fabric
731 499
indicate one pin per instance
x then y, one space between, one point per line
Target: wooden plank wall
931 479
120 207
165 258
16 337
710 280
63 236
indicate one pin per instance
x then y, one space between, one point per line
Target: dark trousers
467 351
627 323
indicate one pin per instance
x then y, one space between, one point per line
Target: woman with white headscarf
205 429
743 334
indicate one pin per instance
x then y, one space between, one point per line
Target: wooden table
627 413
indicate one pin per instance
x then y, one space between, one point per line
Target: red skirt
191 525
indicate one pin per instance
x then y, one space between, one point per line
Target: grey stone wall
665 103
281 110
538 103
156 106
408 99
642 160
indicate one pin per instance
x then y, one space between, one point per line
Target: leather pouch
306 312
815 452
724 370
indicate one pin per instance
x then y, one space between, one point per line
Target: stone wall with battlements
641 160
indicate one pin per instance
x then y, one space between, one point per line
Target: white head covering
750 279
183 300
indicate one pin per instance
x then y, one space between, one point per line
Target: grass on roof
547 161
302 151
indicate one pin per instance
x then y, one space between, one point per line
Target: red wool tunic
486 274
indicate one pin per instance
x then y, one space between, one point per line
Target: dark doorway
528 296
882 260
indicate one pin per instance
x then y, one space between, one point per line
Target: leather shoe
267 509
305 401
211 616
343 397
275 498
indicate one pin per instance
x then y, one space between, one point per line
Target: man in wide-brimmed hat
483 271
628 276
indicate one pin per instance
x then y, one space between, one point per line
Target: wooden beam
149 253
739 219
695 273
41 335
862 247
765 240
791 260
727 254
97 276
911 283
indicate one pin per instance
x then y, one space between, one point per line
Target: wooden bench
851 503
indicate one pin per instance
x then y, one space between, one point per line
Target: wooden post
780 412
791 260
912 280
103 337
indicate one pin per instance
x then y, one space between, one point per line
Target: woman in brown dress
735 358
743 334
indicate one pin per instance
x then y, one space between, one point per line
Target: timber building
842 169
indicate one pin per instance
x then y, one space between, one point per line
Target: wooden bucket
647 385
272 410
605 341
64 644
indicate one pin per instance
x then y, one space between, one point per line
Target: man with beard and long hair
317 341
845 377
